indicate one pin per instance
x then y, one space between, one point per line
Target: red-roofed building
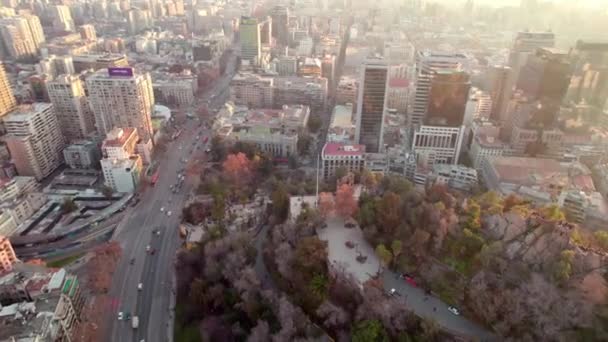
337 155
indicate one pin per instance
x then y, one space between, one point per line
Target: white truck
135 322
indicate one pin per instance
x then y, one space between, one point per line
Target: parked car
454 310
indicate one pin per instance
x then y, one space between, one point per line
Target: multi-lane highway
154 268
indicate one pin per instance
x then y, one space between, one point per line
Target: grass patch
64 261
184 332
187 333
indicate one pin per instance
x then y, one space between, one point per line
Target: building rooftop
118 136
548 174
23 112
338 149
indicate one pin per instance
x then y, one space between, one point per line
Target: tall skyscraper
87 32
62 18
7 100
280 24
17 38
371 103
429 64
251 43
120 97
525 45
33 22
499 84
546 77
34 139
67 95
440 136
589 81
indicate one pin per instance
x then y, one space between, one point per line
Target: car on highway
132 261
393 292
127 316
454 310
148 248
121 316
162 209
169 213
153 251
140 286
409 279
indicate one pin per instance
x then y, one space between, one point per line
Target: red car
409 280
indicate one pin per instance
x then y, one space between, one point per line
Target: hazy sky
594 3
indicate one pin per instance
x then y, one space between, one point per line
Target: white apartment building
56 65
251 90
18 38
484 146
268 140
346 156
455 176
177 91
122 175
427 64
120 97
8 226
69 100
443 144
34 139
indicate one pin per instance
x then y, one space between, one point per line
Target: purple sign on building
120 71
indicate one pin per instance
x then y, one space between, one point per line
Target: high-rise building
448 97
499 85
18 40
138 20
87 32
429 64
67 95
590 73
34 139
251 43
280 24
266 31
62 18
56 65
7 100
546 78
524 45
33 22
121 97
371 102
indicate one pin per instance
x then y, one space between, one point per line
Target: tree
280 202
107 191
326 203
389 216
396 248
602 239
237 167
369 180
384 254
369 331
553 213
311 257
563 267
314 123
473 216
68 206
218 149
346 205
304 141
